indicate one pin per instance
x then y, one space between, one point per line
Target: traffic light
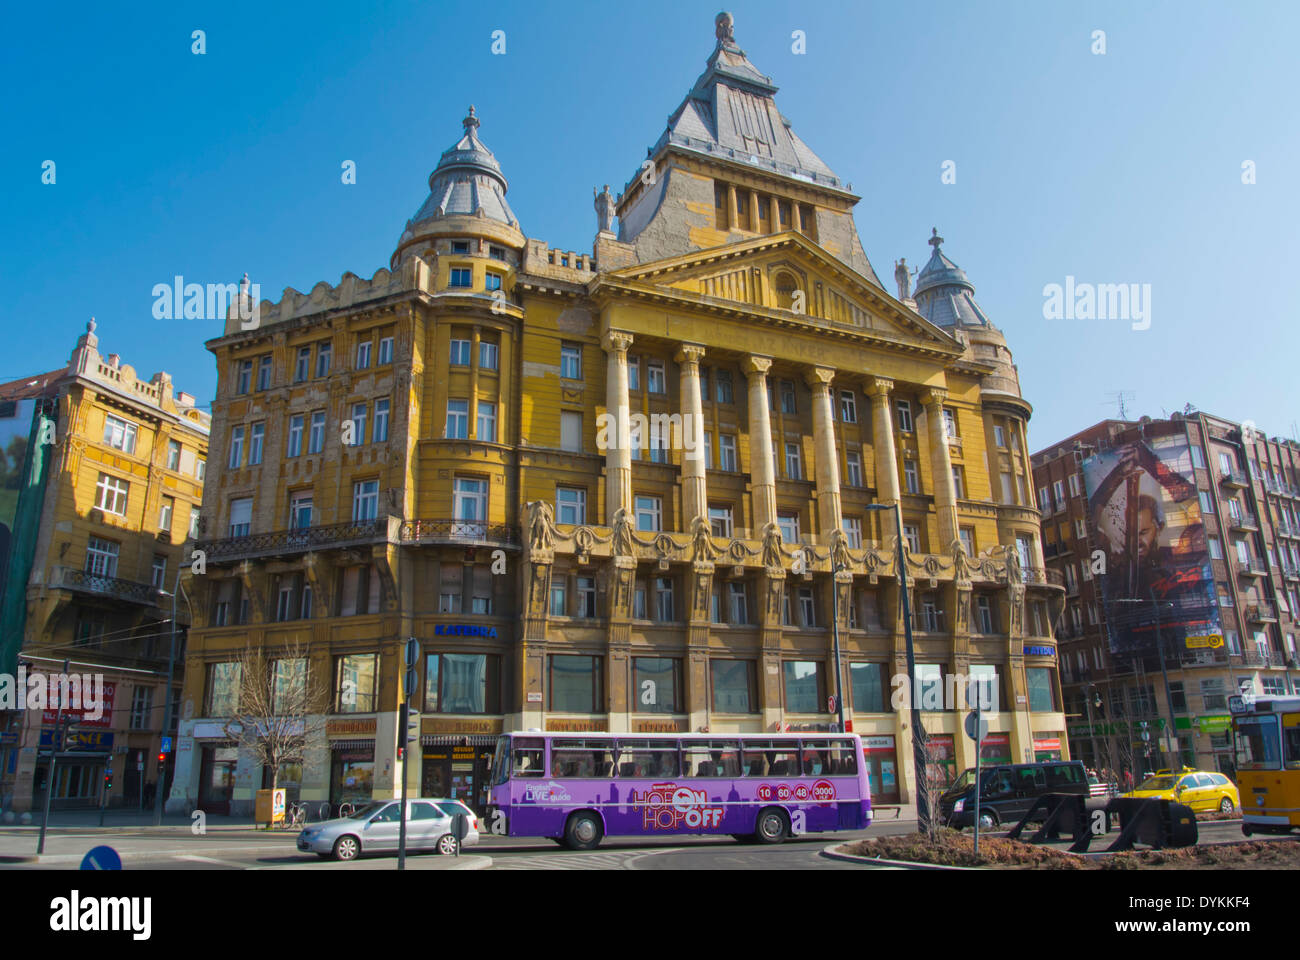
412 722
408 727
108 778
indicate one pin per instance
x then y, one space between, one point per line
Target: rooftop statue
604 210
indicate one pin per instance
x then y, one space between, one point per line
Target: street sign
971 730
412 651
101 858
166 745
830 704
1236 704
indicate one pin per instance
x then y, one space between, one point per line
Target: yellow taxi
1202 790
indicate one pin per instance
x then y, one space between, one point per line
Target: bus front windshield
500 762
1258 745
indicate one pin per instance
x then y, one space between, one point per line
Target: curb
19 858
833 853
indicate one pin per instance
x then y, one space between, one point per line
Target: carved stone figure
903 277
702 540
724 26
772 547
840 559
604 209
541 529
1015 573
622 534
960 565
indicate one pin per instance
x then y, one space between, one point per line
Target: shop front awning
458 740
352 744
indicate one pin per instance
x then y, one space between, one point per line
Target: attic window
460 246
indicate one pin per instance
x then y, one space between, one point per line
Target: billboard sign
1145 516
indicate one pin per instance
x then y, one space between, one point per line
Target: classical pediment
786 277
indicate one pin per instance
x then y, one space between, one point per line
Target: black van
1008 791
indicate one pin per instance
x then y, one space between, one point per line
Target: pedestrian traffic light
108 778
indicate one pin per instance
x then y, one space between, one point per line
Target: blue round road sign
102 858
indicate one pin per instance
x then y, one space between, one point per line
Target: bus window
1291 740
1258 745
754 762
710 758
582 758
780 759
816 758
843 758
527 758
647 758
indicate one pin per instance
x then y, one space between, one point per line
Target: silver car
374 829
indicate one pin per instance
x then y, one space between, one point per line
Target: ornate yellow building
611 491
122 496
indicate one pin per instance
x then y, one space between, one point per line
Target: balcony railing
1255 657
1286 527
459 531
1041 575
1243 521
1261 613
132 591
298 540
1234 478
1253 567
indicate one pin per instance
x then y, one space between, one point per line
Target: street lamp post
918 732
835 634
167 708
1092 730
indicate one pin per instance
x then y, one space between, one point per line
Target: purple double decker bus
579 788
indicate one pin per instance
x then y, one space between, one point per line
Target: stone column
761 469
753 209
828 459
618 450
732 221
882 426
694 491
945 495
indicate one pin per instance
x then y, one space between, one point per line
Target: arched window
785 285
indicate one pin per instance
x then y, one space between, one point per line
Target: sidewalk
116 820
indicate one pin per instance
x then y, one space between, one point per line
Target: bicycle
297 816
346 809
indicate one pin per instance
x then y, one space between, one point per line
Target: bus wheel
1245 830
583 831
772 826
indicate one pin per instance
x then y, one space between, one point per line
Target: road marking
197 859
619 860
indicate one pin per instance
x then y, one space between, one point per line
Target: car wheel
446 845
772 826
1226 805
583 831
988 821
346 848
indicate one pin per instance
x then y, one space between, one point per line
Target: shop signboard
1215 723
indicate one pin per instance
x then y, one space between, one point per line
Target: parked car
1201 790
1008 791
375 828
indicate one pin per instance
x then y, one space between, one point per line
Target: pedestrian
1128 779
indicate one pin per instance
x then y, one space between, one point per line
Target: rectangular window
195 515
804 686
913 537
222 699
576 684
853 473
381 421
462 277
787 397
363 354
984 614
649 514
460 353
571 361
737 604
241 517
462 683
244 382
1215 547
460 246
722 383
904 409
657 682
664 610
720 520
656 382
793 466
727 452
385 350
324 353
487 355
634 373
1025 552
457 420
120 434
559 597
236 447
487 421
165 514
950 423
316 436
492 281
911 477
173 455
302 365
1198 457
1042 689
967 537
1074 485
469 506
570 505
101 557
571 427
299 511
807 607
853 532
958 483
110 494
733 686
358 424
255 444
141 708
928 686
788 524
848 406
295 436
356 683
365 500
867 683
999 436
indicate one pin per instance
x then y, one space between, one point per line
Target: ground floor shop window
995 749
289 780
1047 747
217 778
457 773
942 759
882 769
352 775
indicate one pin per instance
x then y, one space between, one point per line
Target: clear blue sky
1124 167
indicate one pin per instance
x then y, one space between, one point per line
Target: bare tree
280 708
931 783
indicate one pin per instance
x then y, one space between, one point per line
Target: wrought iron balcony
131 591
1234 478
1048 576
1261 613
466 532
1286 528
1243 521
1255 657
1253 567
278 543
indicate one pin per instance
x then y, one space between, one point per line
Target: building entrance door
217 779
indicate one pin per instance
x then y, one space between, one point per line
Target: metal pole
918 732
56 744
835 632
401 824
1092 731
167 708
979 739
1169 699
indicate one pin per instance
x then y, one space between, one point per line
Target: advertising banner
1149 540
